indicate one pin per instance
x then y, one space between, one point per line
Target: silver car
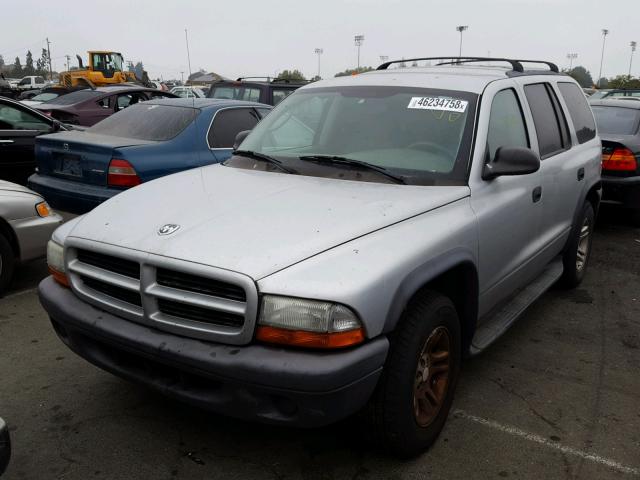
26 224
366 235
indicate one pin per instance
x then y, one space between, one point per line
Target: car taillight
619 159
122 174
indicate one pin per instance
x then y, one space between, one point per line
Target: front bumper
255 382
624 191
33 233
70 196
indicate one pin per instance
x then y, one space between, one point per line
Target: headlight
43 209
308 323
55 261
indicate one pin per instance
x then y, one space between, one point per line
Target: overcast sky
257 37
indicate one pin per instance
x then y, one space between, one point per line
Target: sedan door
226 124
19 126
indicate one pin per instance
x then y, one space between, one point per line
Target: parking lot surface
556 397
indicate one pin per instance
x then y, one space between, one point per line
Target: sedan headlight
308 323
55 261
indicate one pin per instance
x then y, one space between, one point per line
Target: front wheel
415 393
7 263
576 257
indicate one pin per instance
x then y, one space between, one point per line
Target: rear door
226 124
18 129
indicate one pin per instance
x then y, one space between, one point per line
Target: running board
501 318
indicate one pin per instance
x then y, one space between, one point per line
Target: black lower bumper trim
255 382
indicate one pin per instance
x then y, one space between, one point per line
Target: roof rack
516 64
239 79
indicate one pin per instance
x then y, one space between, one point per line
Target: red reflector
122 174
621 159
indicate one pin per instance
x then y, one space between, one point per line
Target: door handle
536 195
6 141
580 173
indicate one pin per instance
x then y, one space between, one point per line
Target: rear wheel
415 393
576 257
7 263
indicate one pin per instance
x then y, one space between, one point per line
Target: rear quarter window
550 127
143 121
579 111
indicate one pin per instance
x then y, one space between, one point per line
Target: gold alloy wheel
432 376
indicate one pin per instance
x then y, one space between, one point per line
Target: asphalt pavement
556 398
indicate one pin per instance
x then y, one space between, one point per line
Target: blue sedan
78 170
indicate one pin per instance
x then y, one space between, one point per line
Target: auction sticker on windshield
439 103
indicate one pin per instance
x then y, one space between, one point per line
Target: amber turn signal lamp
301 338
59 277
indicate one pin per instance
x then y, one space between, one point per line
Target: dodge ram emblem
168 229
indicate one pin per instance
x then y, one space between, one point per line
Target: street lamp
319 52
605 32
633 49
571 57
461 28
359 40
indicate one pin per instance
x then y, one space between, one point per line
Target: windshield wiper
264 158
336 159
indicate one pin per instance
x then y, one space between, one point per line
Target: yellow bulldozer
104 68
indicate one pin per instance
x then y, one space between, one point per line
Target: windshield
144 121
423 135
616 120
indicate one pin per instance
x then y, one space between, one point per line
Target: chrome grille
181 297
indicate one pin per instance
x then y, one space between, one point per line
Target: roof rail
515 64
552 66
239 79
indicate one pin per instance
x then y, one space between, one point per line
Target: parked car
620 93
31 82
365 236
254 89
5 446
26 224
598 94
159 86
87 107
19 127
188 92
79 170
619 127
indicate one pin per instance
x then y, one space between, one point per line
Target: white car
188 92
31 82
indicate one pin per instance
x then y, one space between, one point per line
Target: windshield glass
617 120
423 135
144 121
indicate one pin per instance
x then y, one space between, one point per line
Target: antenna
186 38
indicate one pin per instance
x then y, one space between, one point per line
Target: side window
251 95
280 94
506 123
579 111
103 102
12 118
39 80
25 81
551 133
227 124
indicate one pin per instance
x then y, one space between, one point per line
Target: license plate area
69 165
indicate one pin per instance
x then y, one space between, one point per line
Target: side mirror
5 446
511 161
240 138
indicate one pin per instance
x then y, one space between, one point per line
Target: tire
391 420
575 259
7 263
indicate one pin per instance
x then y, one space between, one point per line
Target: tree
28 67
17 68
624 81
353 71
42 64
1 63
582 76
292 75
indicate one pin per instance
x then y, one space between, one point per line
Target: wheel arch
9 234
454 276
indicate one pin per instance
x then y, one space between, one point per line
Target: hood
253 222
14 187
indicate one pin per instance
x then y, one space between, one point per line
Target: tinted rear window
617 120
545 119
579 111
147 122
77 97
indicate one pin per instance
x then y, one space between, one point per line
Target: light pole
359 40
633 49
605 32
571 57
461 28
319 52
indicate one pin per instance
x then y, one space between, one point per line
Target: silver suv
367 235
